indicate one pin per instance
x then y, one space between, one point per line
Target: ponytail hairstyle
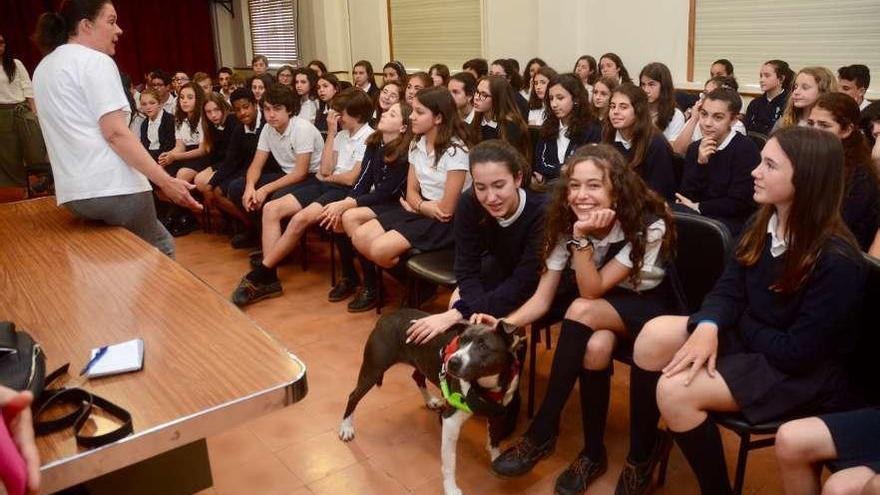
498 151
644 129
399 147
657 71
451 131
817 159
624 74
827 82
783 72
581 116
54 28
634 203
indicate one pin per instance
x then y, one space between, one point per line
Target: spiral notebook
119 358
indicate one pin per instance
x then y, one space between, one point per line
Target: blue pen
94 360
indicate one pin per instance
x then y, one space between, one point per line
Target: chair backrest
865 365
701 253
759 139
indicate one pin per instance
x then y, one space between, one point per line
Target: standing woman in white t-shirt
20 139
100 167
438 173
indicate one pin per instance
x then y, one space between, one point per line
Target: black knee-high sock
643 413
595 388
704 451
567 364
346 257
369 270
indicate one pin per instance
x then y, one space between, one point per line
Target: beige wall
640 31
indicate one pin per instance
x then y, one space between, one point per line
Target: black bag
22 362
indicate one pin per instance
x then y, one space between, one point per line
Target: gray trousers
135 212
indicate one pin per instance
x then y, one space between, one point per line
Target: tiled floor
396 449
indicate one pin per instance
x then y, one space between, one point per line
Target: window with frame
426 33
273 30
801 32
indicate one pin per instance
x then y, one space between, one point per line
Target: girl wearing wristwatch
606 241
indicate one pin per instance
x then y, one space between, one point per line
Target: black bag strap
85 402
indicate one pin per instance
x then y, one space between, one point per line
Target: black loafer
522 457
249 292
342 290
638 478
244 240
365 300
579 474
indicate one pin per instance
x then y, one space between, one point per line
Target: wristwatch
580 244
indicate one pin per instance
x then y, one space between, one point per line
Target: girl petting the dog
607 239
771 340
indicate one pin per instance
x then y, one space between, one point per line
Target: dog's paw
346 430
435 403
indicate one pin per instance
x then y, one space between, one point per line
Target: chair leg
664 466
303 249
547 334
380 275
533 361
741 462
332 262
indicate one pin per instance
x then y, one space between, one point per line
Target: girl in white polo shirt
438 173
656 81
305 85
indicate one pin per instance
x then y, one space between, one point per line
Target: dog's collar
478 400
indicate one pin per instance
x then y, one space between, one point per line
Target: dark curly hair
581 116
635 204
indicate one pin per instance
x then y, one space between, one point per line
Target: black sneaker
578 476
638 478
183 225
521 457
256 258
249 292
244 240
342 290
365 300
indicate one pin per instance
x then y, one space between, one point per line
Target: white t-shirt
299 137
170 105
74 86
19 89
153 131
652 273
350 149
189 136
308 110
432 178
562 142
675 126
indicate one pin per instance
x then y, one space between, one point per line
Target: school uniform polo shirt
299 137
432 176
350 148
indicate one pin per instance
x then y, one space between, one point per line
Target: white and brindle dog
475 365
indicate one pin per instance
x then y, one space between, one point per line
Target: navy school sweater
380 182
546 155
657 170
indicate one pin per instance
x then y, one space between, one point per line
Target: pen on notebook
94 360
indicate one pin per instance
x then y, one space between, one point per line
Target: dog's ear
513 335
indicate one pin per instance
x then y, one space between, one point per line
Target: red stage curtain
157 34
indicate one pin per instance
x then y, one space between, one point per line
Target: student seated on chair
629 129
610 65
226 185
601 97
771 340
305 85
538 96
587 70
656 81
717 177
291 142
157 129
839 114
222 126
463 85
498 229
438 172
328 86
391 93
569 125
415 83
379 188
692 132
496 114
809 84
607 239
776 79
849 439
340 165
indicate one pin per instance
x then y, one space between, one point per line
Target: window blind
801 32
426 33
273 31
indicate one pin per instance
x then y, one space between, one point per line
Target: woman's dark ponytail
51 32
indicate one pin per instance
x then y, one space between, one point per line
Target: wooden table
76 285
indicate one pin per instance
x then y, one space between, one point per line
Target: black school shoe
183 225
249 292
638 478
245 239
256 258
365 300
522 457
578 476
342 290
